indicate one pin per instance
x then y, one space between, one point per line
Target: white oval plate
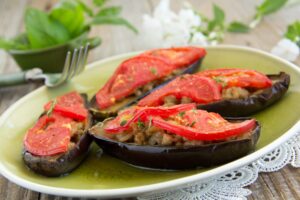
15 121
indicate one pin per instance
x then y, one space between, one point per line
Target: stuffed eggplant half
137 76
58 142
175 138
229 92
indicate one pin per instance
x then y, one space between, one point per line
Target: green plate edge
105 172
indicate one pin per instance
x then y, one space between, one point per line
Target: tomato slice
199 89
49 136
69 105
132 74
238 78
178 56
187 122
125 118
201 125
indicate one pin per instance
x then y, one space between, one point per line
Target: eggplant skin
59 165
179 158
255 102
99 115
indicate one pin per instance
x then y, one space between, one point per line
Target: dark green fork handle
17 78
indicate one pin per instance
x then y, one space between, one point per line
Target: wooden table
284 184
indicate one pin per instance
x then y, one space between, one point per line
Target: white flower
199 39
163 12
166 28
151 32
286 49
189 18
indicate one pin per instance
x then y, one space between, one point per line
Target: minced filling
227 93
151 85
77 130
151 135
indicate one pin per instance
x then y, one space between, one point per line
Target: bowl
50 59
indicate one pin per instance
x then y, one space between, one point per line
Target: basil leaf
71 15
110 11
8 44
218 20
113 20
270 6
238 27
99 3
42 31
293 32
86 9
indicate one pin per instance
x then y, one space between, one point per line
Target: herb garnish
181 114
50 111
192 124
123 122
153 70
140 124
220 81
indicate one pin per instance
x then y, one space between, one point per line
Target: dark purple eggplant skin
255 102
99 115
178 158
62 164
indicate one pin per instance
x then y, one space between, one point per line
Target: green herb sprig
64 22
51 109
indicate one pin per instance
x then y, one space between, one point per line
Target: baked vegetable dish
58 143
176 137
137 76
229 92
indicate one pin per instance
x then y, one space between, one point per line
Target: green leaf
270 6
8 44
110 11
99 3
219 15
113 20
86 9
71 15
42 31
218 20
293 32
238 27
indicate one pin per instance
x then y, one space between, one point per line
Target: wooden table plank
284 184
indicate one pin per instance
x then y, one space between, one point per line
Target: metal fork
74 65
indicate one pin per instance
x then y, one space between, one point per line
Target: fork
74 65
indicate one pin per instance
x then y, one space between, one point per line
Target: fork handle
17 78
12 79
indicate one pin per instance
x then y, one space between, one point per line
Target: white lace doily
231 185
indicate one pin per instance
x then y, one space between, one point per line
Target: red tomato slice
49 136
238 78
204 126
182 120
178 56
69 105
132 74
199 89
125 118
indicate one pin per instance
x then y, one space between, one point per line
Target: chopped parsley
192 124
50 111
123 122
140 124
219 80
153 70
181 114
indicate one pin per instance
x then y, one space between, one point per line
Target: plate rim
134 191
